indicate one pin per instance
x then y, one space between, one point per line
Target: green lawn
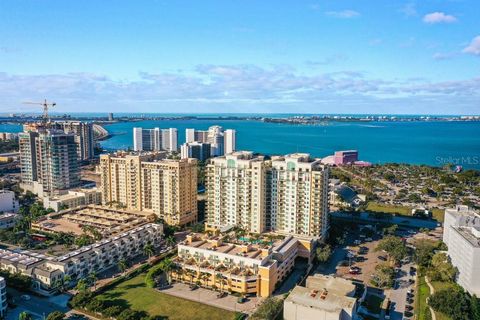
372 206
421 307
137 296
386 208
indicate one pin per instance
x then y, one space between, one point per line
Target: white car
25 297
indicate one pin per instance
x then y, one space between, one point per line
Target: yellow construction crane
45 105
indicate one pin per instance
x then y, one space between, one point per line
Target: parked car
383 258
357 242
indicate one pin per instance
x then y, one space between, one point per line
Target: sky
245 56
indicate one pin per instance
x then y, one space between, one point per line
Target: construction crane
45 105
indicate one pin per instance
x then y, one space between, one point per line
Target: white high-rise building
229 141
146 139
155 139
169 139
216 140
461 234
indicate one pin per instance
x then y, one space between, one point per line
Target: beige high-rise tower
235 191
287 194
142 182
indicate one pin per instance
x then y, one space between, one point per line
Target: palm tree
93 277
170 241
81 285
122 265
148 250
219 277
167 268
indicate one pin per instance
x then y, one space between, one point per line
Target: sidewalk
432 291
209 297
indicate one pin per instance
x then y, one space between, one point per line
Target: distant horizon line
247 113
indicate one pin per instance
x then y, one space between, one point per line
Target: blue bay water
431 143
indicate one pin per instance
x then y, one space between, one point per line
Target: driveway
398 294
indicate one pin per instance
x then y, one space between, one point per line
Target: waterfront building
73 198
283 194
198 150
169 139
146 139
3 297
155 139
216 140
345 157
46 271
165 187
230 141
49 157
221 141
461 234
238 264
8 201
110 116
323 297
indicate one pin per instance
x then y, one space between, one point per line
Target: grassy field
372 206
421 307
137 296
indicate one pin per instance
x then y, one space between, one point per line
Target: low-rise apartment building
8 220
8 202
46 272
461 234
73 198
250 267
107 220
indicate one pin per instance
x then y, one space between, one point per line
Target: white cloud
250 88
438 17
443 56
409 9
344 14
473 47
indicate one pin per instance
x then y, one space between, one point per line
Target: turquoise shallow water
432 143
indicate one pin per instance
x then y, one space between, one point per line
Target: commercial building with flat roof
322 298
